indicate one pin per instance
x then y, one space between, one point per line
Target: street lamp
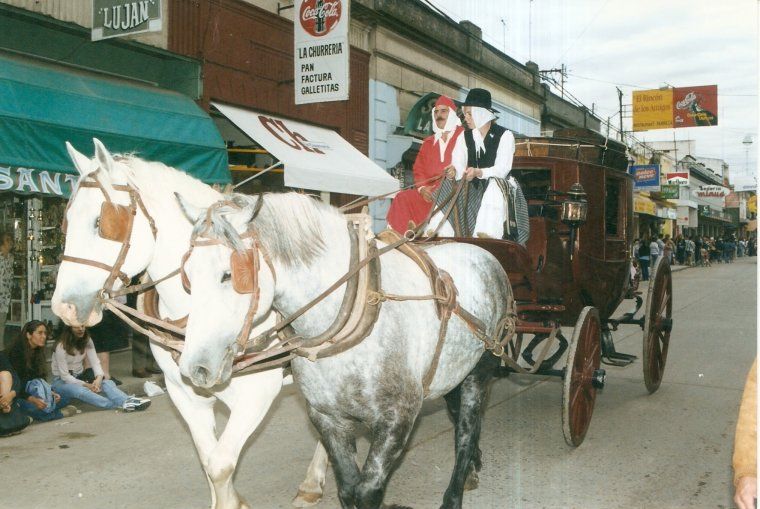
747 142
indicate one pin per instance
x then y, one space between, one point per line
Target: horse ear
81 162
103 156
192 213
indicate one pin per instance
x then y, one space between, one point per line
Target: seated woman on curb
27 356
9 384
72 347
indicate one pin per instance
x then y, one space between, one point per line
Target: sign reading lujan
114 18
321 51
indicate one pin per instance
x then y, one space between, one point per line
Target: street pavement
671 449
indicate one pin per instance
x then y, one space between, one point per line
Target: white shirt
62 363
501 166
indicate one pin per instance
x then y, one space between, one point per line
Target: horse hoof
395 506
472 481
306 499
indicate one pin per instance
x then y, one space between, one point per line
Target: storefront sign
652 109
645 177
644 206
115 18
675 107
31 181
669 191
711 192
680 178
321 50
682 219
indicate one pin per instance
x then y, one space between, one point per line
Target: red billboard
695 106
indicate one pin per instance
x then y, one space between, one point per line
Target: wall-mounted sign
321 50
644 206
32 181
646 177
115 18
711 191
675 107
669 191
680 178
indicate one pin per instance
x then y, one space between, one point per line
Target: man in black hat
483 156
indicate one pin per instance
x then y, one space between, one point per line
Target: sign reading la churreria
321 51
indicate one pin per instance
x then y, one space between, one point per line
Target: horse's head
231 284
102 221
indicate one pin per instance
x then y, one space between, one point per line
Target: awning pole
275 165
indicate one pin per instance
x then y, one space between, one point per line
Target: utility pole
530 30
620 102
562 73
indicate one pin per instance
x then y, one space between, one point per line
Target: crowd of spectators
693 251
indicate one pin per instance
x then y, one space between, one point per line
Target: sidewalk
121 368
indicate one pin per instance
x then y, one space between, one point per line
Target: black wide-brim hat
479 97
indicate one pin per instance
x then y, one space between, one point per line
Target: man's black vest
491 143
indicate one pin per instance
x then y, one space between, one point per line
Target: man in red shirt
432 160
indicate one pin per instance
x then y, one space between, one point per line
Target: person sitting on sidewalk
35 396
70 378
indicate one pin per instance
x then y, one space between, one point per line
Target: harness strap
94 263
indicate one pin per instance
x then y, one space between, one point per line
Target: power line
583 32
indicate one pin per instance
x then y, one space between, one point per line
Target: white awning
314 157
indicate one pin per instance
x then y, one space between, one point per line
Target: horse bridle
115 223
244 267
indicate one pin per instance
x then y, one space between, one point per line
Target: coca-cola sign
319 17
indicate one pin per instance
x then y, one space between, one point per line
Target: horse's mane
154 179
292 227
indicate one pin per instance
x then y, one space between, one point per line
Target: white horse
248 397
381 382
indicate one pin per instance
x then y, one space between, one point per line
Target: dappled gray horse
378 382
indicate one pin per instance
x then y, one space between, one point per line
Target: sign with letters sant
30 181
670 108
115 18
321 50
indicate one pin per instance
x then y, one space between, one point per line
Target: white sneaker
69 411
136 404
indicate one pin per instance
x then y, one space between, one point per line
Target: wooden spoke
658 313
579 392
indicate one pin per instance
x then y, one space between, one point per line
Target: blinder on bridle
244 267
114 223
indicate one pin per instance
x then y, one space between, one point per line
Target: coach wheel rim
579 391
658 323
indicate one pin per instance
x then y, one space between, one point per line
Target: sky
639 45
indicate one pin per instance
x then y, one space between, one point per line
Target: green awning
44 105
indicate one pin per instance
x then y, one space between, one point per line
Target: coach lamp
574 212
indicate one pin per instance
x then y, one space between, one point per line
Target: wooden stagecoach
575 271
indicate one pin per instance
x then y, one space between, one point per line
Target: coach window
613 203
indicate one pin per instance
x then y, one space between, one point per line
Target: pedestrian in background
644 254
109 335
681 250
70 379
690 247
36 397
654 251
6 281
